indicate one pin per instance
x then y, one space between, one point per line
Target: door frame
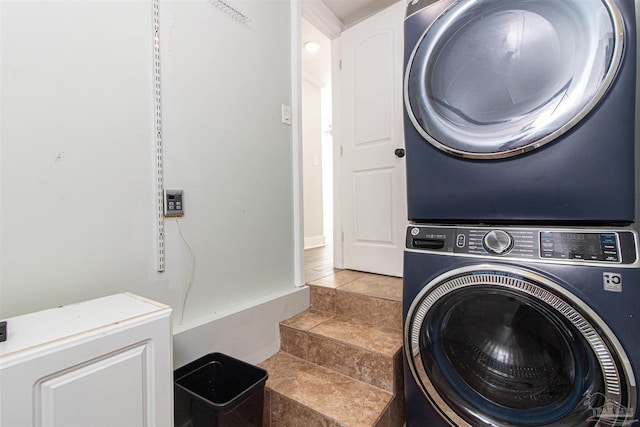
296 142
320 16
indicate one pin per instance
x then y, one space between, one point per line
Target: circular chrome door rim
618 29
534 285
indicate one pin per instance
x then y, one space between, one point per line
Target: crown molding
321 17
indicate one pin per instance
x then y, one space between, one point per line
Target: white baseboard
314 242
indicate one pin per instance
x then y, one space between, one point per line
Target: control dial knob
497 242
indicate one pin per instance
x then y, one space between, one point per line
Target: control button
497 242
460 240
415 231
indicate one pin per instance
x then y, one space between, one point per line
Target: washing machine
521 326
520 111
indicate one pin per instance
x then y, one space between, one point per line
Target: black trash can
219 391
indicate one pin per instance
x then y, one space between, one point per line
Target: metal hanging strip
231 11
159 181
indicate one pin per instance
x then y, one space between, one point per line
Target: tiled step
367 353
362 297
340 362
300 393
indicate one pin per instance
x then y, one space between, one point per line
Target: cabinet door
108 391
119 374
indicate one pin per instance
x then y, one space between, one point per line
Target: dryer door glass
493 79
495 348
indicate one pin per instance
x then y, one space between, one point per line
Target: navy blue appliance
520 111
521 326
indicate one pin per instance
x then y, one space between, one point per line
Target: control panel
587 246
575 245
173 203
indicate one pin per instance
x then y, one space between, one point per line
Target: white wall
77 157
312 164
316 120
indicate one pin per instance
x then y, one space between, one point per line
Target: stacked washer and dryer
521 270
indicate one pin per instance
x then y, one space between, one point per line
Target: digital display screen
577 246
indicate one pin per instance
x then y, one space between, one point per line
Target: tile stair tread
307 319
386 341
386 288
338 279
373 285
338 397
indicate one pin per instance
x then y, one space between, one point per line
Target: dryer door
494 345
492 79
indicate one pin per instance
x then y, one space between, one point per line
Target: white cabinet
101 363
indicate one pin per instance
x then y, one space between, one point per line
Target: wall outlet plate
286 115
173 203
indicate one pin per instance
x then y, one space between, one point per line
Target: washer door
499 346
492 79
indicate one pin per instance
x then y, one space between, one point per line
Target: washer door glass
493 79
495 348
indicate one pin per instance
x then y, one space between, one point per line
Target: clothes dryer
520 111
521 326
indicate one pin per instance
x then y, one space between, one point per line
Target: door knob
399 152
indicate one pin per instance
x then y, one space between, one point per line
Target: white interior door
373 195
